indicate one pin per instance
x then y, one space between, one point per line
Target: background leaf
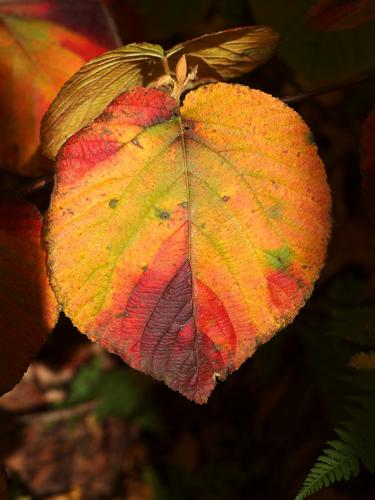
318 57
28 309
327 15
42 43
181 243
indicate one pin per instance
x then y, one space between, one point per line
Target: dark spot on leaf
106 116
225 198
187 125
162 214
144 268
258 341
113 203
310 137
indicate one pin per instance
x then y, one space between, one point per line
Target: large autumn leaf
42 43
182 239
317 56
368 162
28 308
222 55
327 15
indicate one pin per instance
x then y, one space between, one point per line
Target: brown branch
329 88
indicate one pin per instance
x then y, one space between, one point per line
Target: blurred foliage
316 56
118 393
349 396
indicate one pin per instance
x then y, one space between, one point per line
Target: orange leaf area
42 43
330 15
28 308
181 239
368 162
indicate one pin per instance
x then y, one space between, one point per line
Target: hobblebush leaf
181 239
42 44
28 308
327 15
221 55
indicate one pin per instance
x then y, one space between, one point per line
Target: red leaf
28 309
43 43
329 15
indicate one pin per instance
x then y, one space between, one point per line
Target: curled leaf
227 54
330 15
182 239
94 86
42 43
221 55
28 308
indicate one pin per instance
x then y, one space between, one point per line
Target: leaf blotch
113 203
310 139
162 214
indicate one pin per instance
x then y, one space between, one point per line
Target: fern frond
338 462
363 361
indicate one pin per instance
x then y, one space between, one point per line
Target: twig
35 185
56 415
329 88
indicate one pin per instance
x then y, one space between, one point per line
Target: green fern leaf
338 462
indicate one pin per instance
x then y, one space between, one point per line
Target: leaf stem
303 96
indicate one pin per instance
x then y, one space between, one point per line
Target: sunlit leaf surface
183 239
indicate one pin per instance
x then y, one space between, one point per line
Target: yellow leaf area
36 59
363 361
182 239
28 308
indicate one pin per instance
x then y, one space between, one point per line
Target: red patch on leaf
142 106
158 329
285 290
